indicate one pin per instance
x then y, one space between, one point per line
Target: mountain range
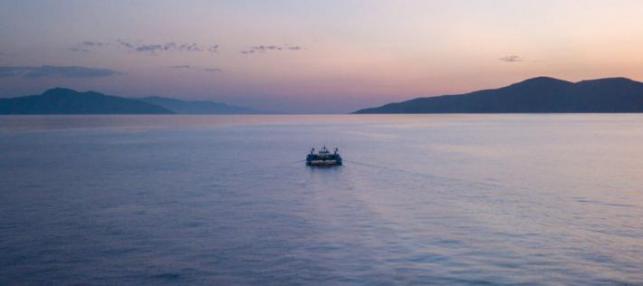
536 95
68 101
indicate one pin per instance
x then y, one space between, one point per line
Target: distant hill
536 95
196 107
67 101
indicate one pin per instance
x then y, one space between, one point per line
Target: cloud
194 47
181 67
55 71
269 48
79 50
88 46
94 44
148 48
511 59
189 67
126 44
167 47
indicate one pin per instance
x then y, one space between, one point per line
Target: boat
323 158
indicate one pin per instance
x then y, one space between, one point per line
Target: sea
513 199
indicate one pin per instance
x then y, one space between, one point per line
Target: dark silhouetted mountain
536 95
67 101
196 107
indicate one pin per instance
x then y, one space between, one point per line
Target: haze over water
227 200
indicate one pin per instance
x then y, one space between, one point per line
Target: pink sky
305 56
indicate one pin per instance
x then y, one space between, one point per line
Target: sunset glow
305 56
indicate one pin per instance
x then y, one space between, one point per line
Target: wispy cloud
145 48
194 47
168 47
88 46
94 44
196 68
511 59
269 48
150 48
55 71
181 67
126 44
79 50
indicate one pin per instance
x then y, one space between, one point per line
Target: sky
299 56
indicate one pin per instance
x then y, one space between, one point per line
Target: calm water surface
226 200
